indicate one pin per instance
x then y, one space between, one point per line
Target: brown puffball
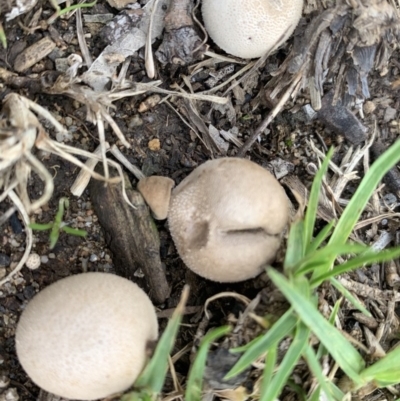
85 337
156 191
227 218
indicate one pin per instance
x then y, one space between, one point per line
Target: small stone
14 243
135 121
3 272
390 114
68 121
29 292
154 145
44 259
4 260
52 256
93 258
369 107
9 395
33 261
4 381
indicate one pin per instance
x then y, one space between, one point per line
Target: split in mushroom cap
85 336
226 219
250 28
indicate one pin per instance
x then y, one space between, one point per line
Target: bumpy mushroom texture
156 191
85 336
226 219
250 28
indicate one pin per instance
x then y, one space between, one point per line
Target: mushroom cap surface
250 28
85 336
227 218
156 191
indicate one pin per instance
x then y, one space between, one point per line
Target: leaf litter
339 51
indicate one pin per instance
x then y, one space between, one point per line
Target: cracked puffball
86 336
227 219
250 28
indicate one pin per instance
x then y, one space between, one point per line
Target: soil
162 144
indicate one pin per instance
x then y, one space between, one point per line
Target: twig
261 128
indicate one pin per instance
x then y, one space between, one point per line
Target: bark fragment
131 235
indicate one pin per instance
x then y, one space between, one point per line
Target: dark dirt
180 151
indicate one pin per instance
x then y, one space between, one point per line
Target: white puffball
85 336
250 28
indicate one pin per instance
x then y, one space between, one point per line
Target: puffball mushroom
250 28
85 336
156 191
226 219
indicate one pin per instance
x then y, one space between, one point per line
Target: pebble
4 260
9 395
52 256
29 292
14 243
4 381
44 259
93 258
68 121
2 272
390 114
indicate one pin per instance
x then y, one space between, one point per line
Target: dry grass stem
28 240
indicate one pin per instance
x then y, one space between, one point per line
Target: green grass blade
295 246
74 231
312 207
321 349
3 37
41 227
356 262
153 376
76 7
326 254
194 384
270 362
315 396
321 237
287 365
316 370
341 350
282 328
359 200
385 372
349 296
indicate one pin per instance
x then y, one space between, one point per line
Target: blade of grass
321 349
295 246
325 254
355 263
359 200
311 213
195 380
341 350
270 362
385 372
75 7
282 328
287 365
316 370
321 237
40 227
349 296
153 376
74 231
